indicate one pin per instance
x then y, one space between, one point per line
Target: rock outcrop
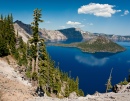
71 33
22 30
121 88
52 34
73 95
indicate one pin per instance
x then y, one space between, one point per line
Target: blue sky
102 16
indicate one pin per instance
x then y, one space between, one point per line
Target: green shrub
125 82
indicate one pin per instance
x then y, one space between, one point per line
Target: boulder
73 95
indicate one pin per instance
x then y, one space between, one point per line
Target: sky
96 16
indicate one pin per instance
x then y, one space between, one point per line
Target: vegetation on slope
125 82
33 56
98 44
7 36
11 44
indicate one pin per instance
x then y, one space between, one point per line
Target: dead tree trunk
109 82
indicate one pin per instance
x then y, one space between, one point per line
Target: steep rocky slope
52 34
72 33
12 86
23 30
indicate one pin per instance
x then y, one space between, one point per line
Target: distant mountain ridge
25 31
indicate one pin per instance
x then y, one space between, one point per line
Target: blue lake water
92 69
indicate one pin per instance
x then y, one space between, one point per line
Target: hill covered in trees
98 44
38 66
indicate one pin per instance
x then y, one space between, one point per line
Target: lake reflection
91 60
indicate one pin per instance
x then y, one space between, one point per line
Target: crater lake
93 70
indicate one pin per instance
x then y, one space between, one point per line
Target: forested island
98 44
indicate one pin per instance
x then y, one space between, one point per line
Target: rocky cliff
25 31
52 34
72 33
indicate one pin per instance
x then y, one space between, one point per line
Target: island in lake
98 44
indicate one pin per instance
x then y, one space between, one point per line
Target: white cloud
103 10
91 60
126 12
75 24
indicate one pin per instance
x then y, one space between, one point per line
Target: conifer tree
34 43
7 34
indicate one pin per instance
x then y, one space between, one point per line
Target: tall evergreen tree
34 44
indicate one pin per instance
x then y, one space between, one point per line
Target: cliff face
25 31
52 35
72 33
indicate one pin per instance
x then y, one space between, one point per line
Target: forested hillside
7 36
38 66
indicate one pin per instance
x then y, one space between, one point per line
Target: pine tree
34 44
11 35
7 34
